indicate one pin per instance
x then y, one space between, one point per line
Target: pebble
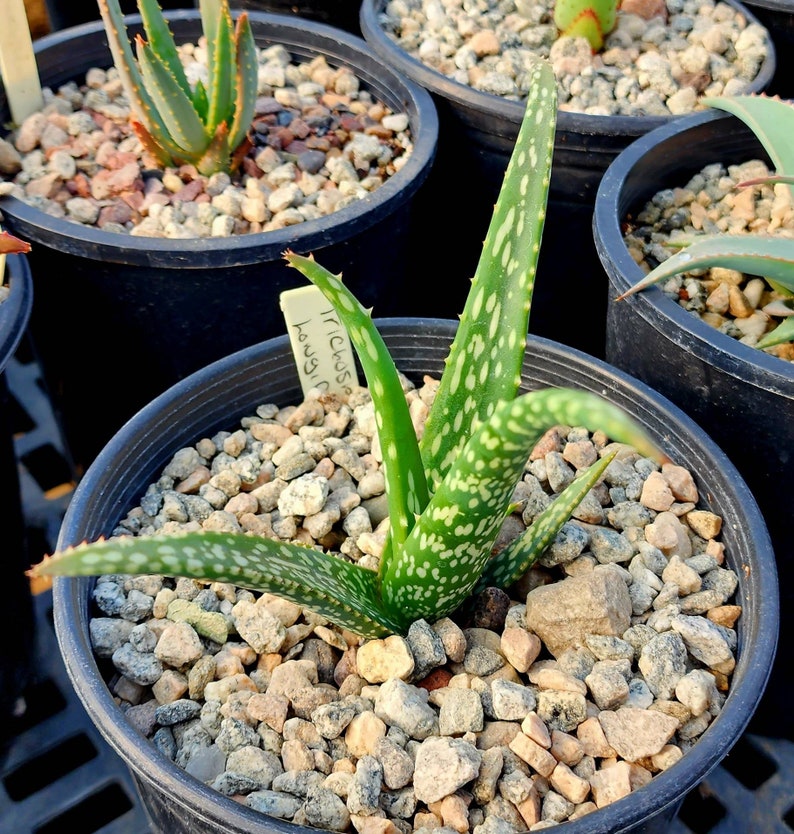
658 61
541 707
321 142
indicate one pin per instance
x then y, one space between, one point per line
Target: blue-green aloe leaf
783 333
771 120
766 255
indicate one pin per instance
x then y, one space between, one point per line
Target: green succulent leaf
771 120
175 107
766 255
448 548
783 333
485 359
143 109
591 19
406 485
162 41
511 563
246 85
332 587
220 49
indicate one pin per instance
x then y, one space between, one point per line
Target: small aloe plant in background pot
206 125
448 497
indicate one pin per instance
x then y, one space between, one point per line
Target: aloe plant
772 257
449 494
591 19
207 125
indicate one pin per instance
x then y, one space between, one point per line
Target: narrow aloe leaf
246 82
449 546
783 333
141 104
770 119
200 101
341 591
765 255
406 487
216 156
187 131
159 36
219 87
510 564
484 363
210 13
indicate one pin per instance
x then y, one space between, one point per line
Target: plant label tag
323 354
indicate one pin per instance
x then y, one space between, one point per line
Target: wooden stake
18 63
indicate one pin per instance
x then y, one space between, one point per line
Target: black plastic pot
476 138
16 613
778 17
217 396
120 318
741 396
66 13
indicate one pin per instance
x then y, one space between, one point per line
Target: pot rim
769 372
70 595
303 38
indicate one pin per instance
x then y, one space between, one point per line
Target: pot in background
340 13
16 613
217 396
476 137
743 397
120 318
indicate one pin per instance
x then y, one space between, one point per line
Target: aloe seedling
449 494
591 19
10 245
206 125
770 256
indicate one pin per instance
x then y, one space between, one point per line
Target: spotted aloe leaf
484 362
520 554
448 498
332 587
204 126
